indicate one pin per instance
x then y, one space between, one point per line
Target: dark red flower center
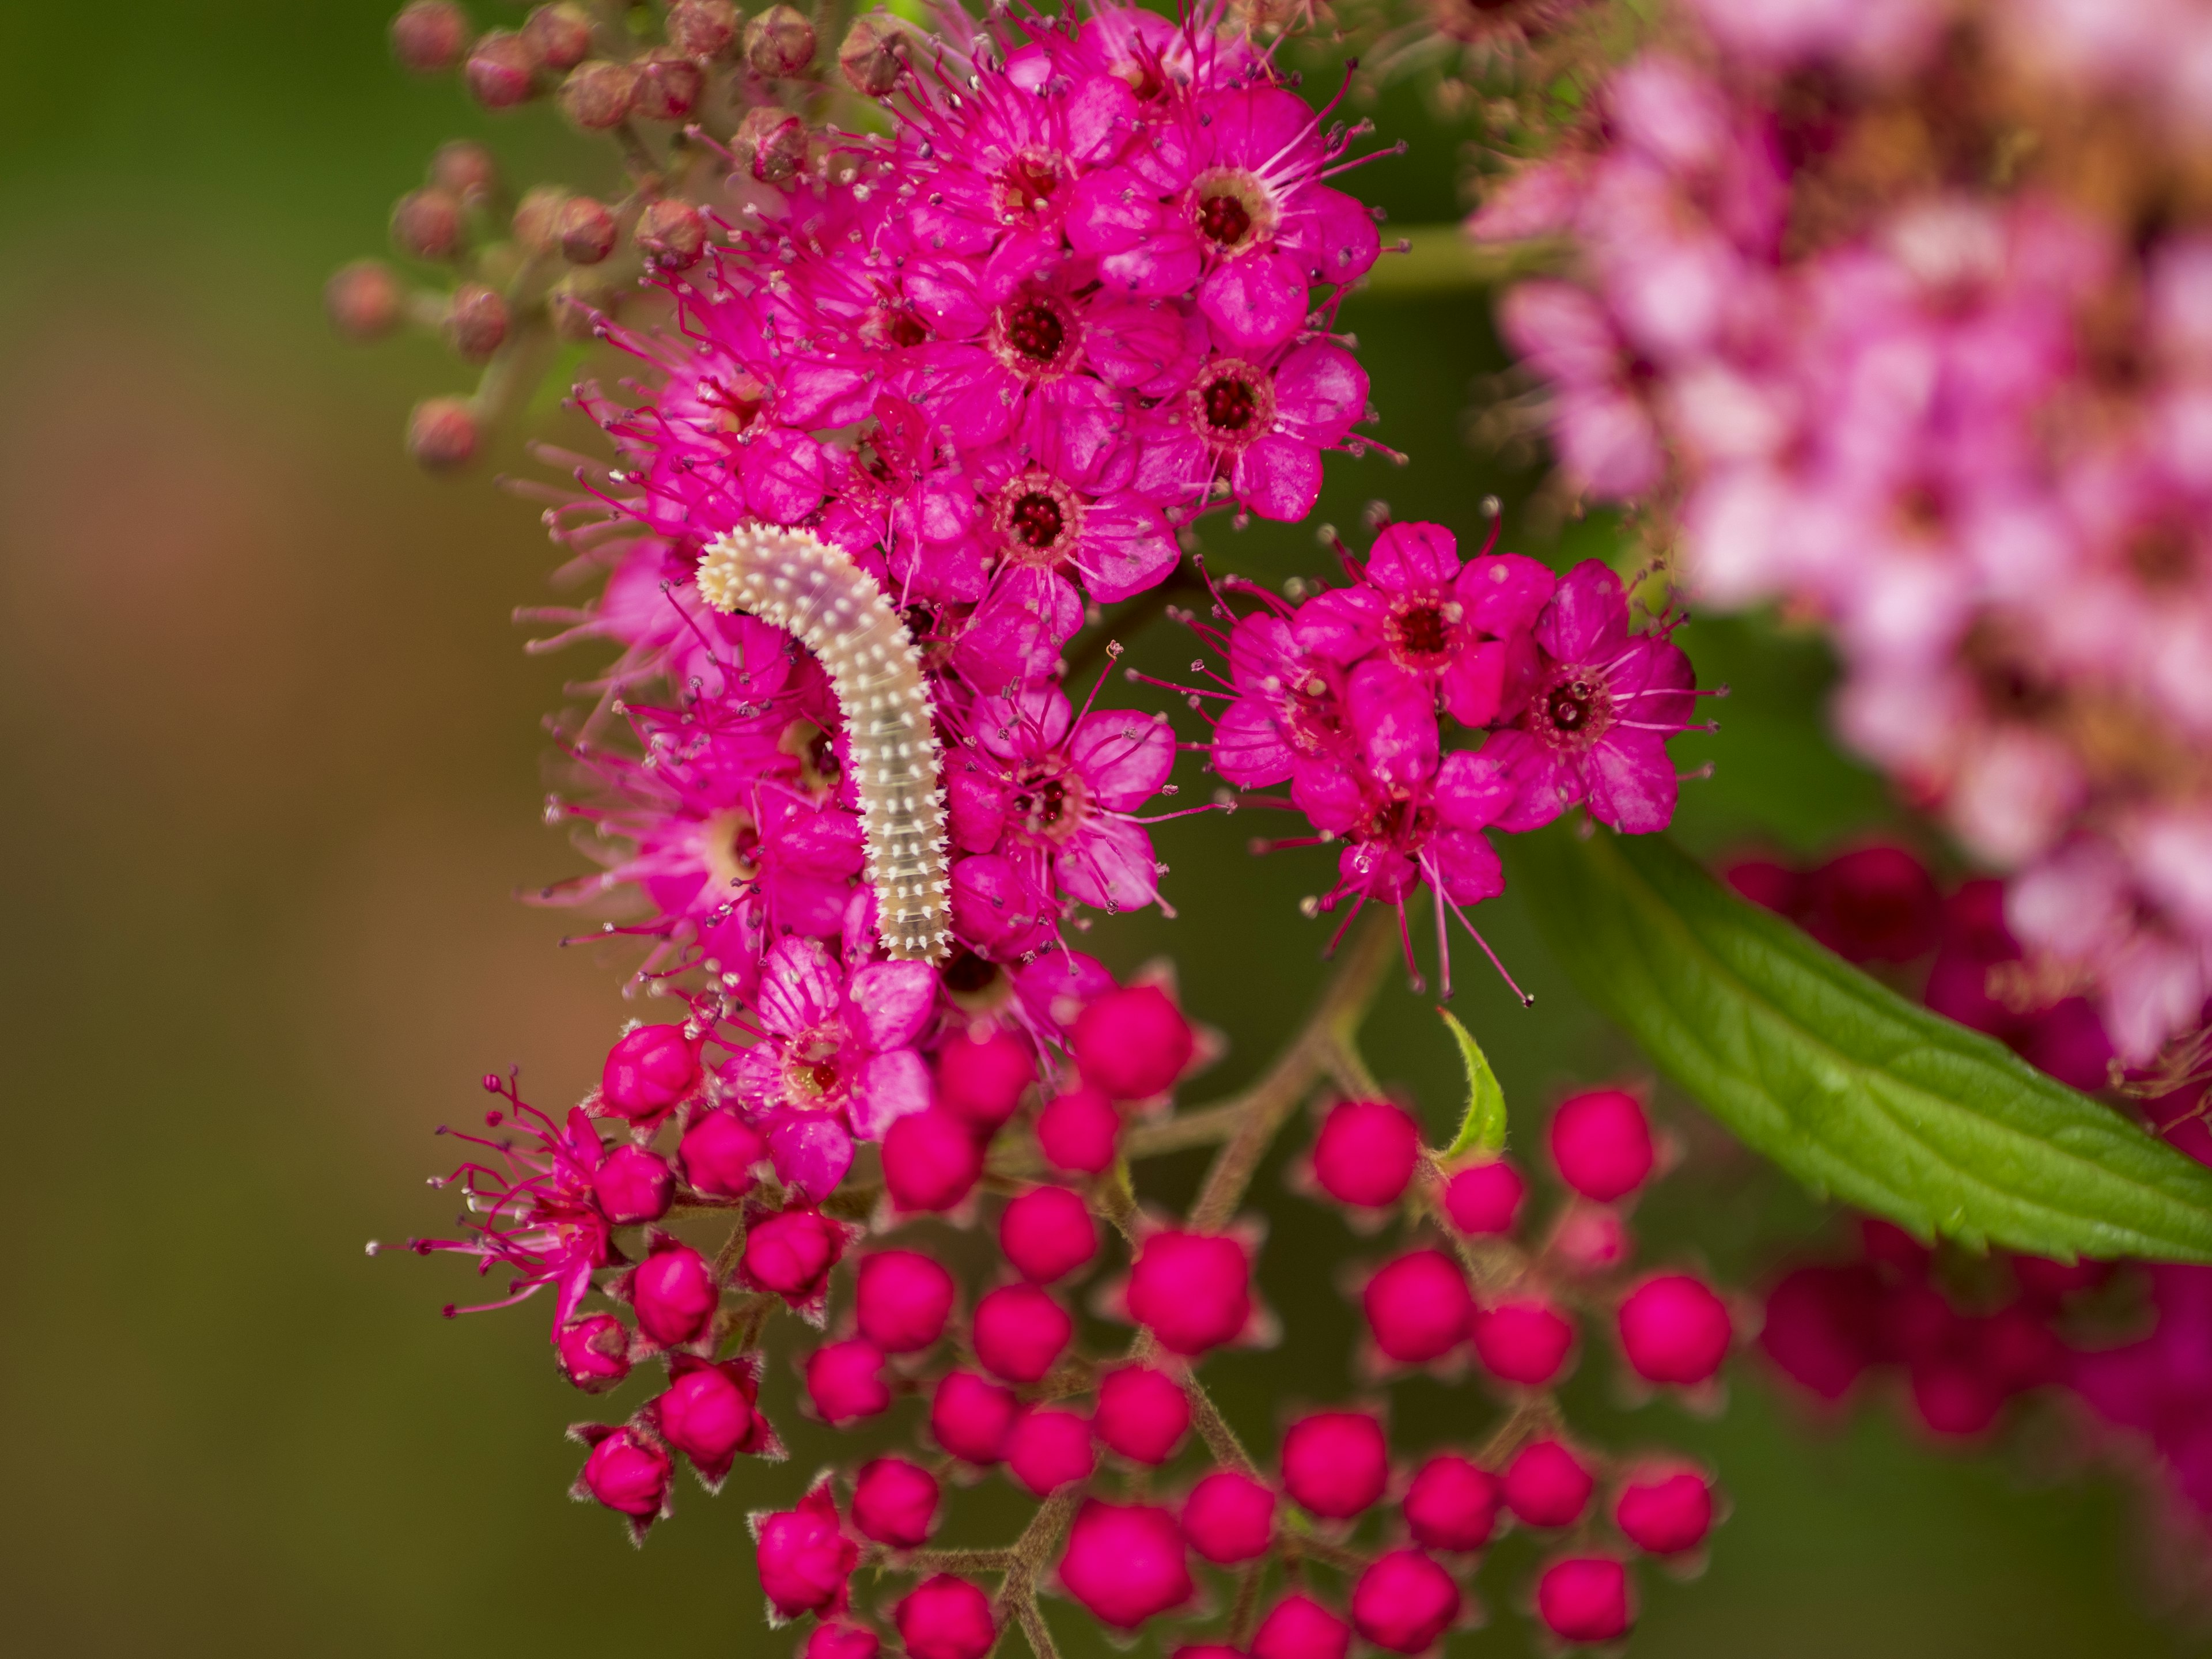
1026 187
1230 403
1036 519
1036 332
906 328
1570 705
1422 630
968 975
823 1075
1224 219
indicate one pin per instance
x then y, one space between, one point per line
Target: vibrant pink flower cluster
1965 429
1341 696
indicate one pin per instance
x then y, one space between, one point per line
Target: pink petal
1334 235
1504 592
1278 477
1026 726
892 1085
812 1152
892 1001
1108 863
1393 712
1123 759
1321 393
1410 558
1342 625
1631 782
800 986
1255 302
1468 865
1248 752
1126 547
1587 621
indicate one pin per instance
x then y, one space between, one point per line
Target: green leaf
1858 1093
1483 1128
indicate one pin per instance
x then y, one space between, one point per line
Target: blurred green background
272 769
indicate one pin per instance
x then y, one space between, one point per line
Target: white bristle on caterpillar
812 589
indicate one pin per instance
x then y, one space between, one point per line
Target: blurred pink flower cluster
1963 428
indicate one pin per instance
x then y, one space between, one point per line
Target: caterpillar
795 581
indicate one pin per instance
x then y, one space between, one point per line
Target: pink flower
1253 428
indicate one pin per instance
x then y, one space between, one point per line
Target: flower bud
476 321
840 1640
1419 1307
792 1253
718 1154
1335 1464
931 1161
1590 1238
1674 1329
703 28
980 1082
426 224
587 231
1048 1450
902 1299
536 223
671 235
669 85
633 1183
1405 1602
1020 1331
1078 1130
428 36
1547 1486
649 1071
804 1558
1228 1517
1452 1505
1125 1562
598 95
1602 1143
501 71
593 1352
1664 1509
441 434
893 1502
706 1416
1484 1199
627 1475
464 169
946 1617
972 1419
1585 1599
872 57
770 143
1819 1327
1133 1043
673 1292
559 36
779 42
1299 1627
364 300
1143 1413
1192 1290
1523 1340
1366 1152
845 1381
1048 1233
579 304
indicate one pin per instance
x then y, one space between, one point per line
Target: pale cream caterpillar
795 581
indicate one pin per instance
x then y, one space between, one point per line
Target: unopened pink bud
560 35
1299 1627
1585 1599
536 223
1192 1290
1590 1238
804 1558
649 1071
778 43
632 1184
1452 1504
587 231
593 1352
1547 1485
703 28
872 57
428 36
671 235
902 1299
426 224
442 433
363 300
931 1161
1020 1331
1602 1143
1366 1152
845 1380
1335 1464
946 1618
669 85
1048 1233
1674 1328
673 1290
466 170
598 95
1078 1132
1228 1517
1523 1340
980 1081
1419 1307
771 142
501 71
1818 1325
840 1641
1405 1602
627 1474
718 1154
792 1253
895 1503
1049 1449
1664 1509
972 1419
706 1416
1143 1413
1133 1043
1126 1563
1484 1199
